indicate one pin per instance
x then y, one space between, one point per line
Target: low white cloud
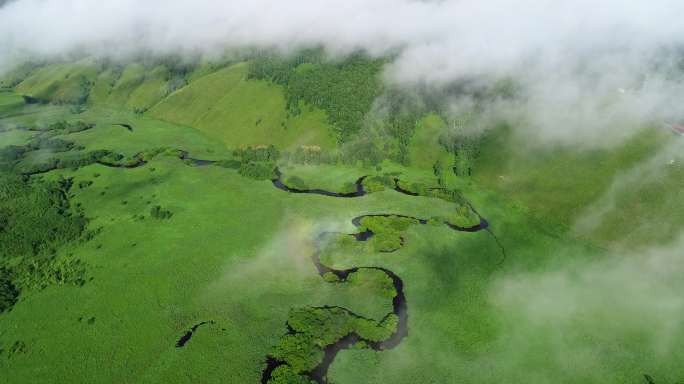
586 311
582 63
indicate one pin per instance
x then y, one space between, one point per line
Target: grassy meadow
517 303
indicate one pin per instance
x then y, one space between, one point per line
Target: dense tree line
465 147
403 111
35 220
255 154
346 90
254 162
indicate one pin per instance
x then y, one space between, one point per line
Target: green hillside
239 112
132 76
233 222
60 83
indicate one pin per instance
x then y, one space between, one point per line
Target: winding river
399 304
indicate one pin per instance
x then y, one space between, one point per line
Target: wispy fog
587 67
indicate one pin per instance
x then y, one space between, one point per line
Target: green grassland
559 185
60 83
424 148
171 244
328 177
241 112
10 101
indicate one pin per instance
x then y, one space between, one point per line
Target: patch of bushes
71 160
417 188
388 224
374 281
378 183
258 170
37 216
450 195
159 213
8 291
387 231
257 154
36 221
52 145
287 375
64 127
46 270
314 328
11 154
18 348
464 217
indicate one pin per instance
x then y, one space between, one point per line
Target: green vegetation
9 102
315 328
287 375
28 210
150 250
60 83
557 185
387 231
377 183
425 149
35 221
159 213
241 112
345 90
13 77
153 89
8 291
334 178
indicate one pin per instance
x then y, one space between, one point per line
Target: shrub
374 280
258 170
300 351
41 272
64 127
161 214
378 183
387 231
8 292
53 145
257 154
287 375
11 154
464 217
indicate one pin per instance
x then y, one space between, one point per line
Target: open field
235 251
